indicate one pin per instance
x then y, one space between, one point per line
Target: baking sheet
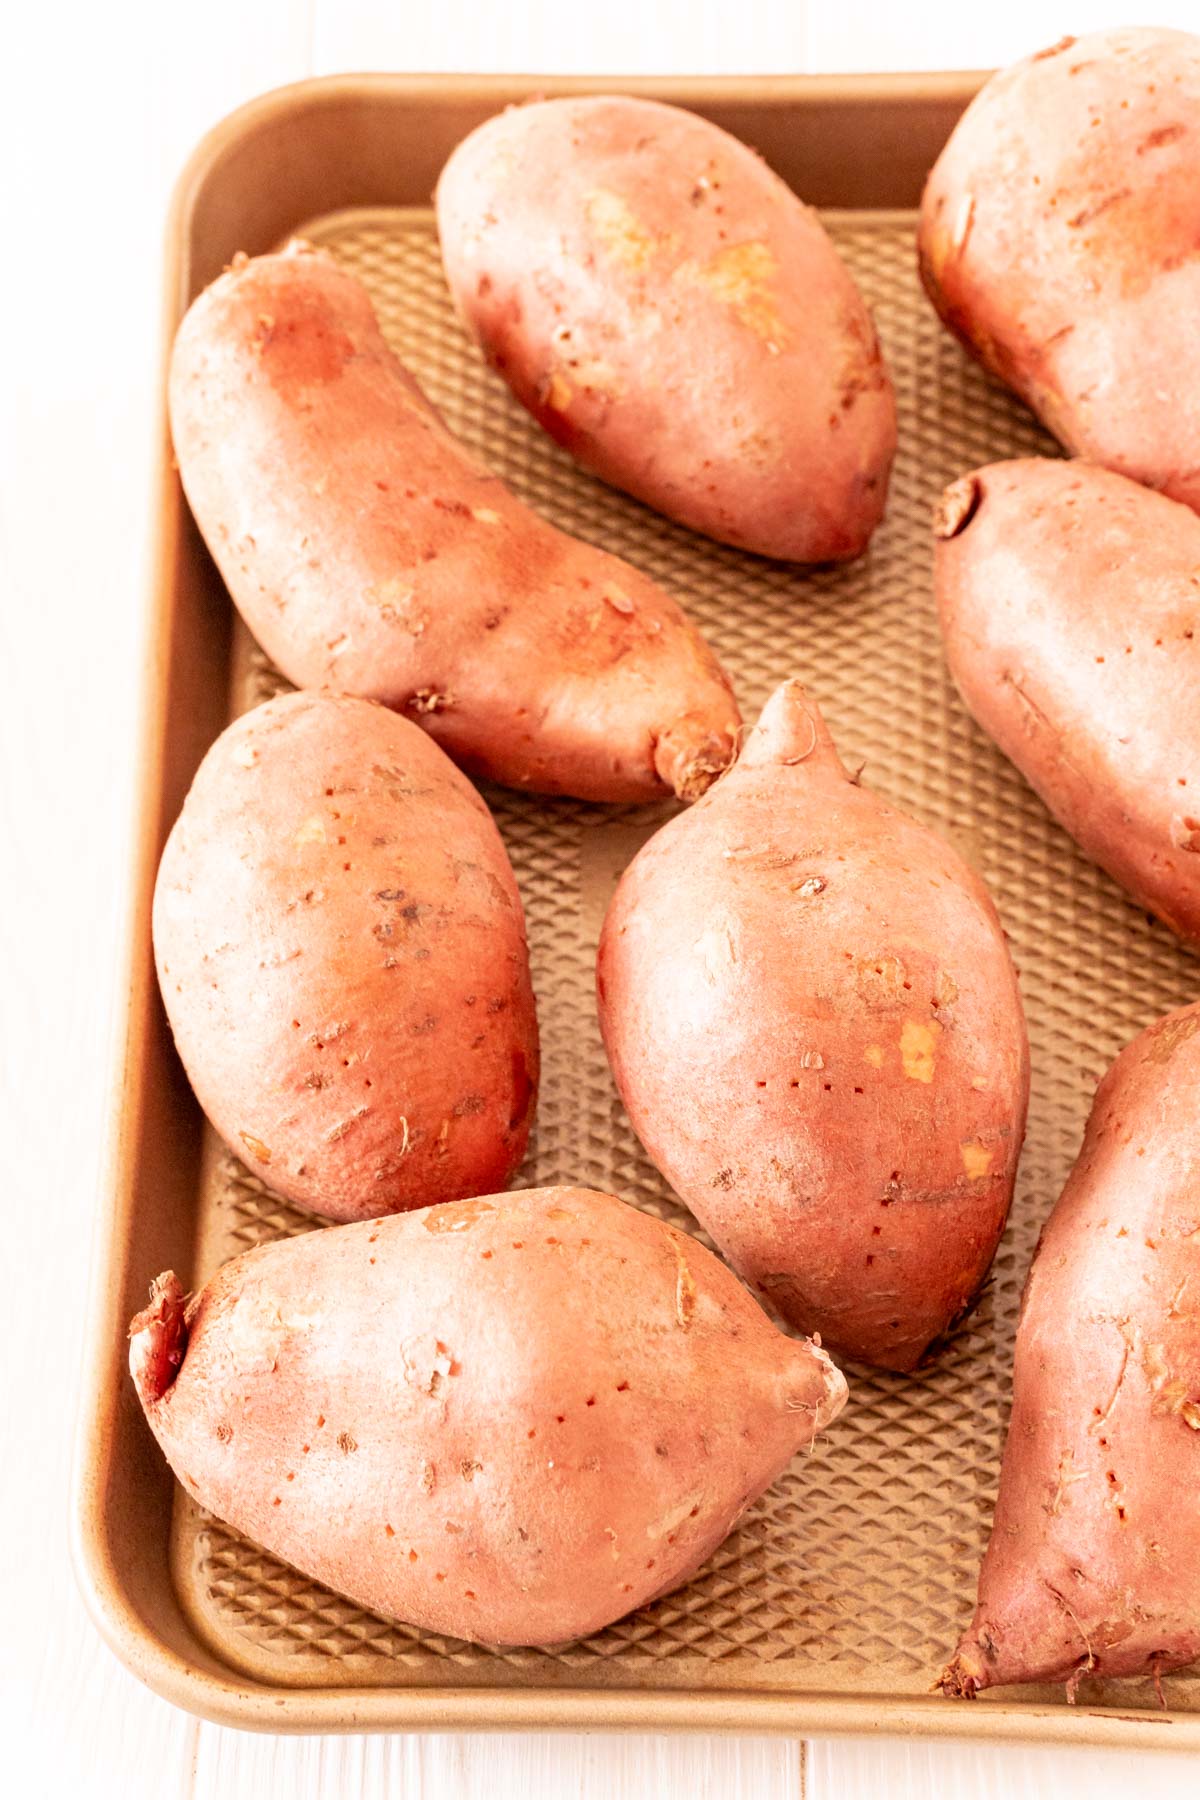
854 1574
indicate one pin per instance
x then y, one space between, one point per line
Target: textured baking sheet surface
855 1572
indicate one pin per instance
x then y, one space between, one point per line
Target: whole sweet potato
813 1020
341 951
671 312
1058 241
1070 600
514 1419
368 552
1094 1561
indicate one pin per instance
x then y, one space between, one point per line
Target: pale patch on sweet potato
685 1290
260 1325
460 1215
880 980
977 1160
1170 1035
947 989
618 229
426 1363
1171 1393
258 1150
669 1522
742 277
393 598
556 391
918 1048
717 951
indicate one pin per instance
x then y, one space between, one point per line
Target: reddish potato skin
676 318
341 950
511 1420
813 1021
1058 241
1094 1560
1070 600
369 553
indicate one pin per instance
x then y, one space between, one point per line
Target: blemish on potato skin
947 992
918 1046
338 1131
258 1150
742 277
1166 134
618 230
957 506
977 1160
1064 43
685 1292
879 980
1162 1043
555 392
456 1215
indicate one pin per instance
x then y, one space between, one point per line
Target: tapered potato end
158 1339
957 506
690 755
790 730
824 1391
965 1674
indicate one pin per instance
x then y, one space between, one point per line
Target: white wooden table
100 106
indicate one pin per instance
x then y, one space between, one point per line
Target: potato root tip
158 1339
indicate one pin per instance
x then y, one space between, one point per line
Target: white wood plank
100 106
879 34
230 1766
562 37
895 1769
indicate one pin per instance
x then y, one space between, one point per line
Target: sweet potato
341 950
671 313
1069 601
368 552
513 1419
1058 241
813 1021
1094 1561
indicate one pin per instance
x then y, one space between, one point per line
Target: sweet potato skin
1094 1560
369 553
1058 238
341 950
814 1023
1069 605
511 1420
676 318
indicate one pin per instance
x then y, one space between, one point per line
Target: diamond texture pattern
856 1571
